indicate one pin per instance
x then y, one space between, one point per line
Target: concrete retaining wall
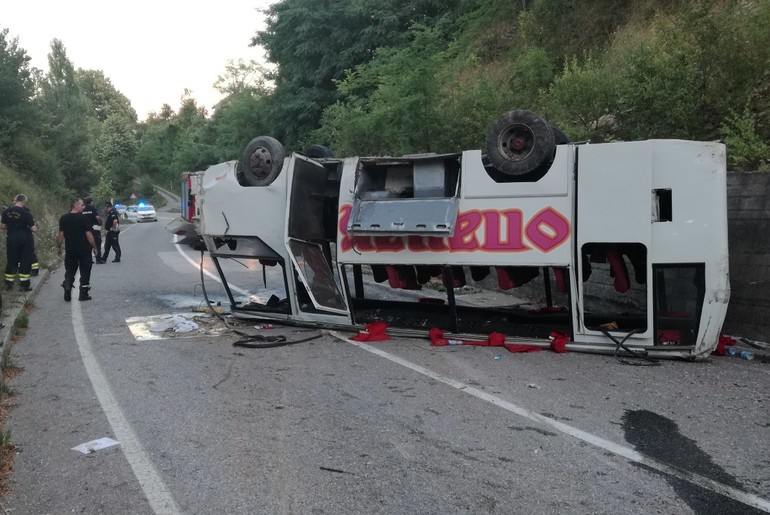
748 205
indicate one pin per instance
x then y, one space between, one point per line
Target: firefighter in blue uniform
18 221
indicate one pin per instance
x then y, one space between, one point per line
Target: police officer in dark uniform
95 220
76 234
112 226
18 221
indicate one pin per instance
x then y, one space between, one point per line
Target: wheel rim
516 142
260 162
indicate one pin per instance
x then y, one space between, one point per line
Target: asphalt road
335 427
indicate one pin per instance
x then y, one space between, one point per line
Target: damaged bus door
315 281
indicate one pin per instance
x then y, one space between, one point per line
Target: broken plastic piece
373 332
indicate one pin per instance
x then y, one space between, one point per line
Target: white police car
146 213
141 213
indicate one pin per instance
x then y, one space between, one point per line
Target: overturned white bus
609 243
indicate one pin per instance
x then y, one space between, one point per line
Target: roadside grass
7 454
10 369
20 324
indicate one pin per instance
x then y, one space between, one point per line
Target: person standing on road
18 221
112 226
76 234
35 269
95 220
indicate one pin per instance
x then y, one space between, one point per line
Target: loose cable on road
251 341
645 361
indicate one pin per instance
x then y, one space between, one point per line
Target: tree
16 90
166 112
242 76
65 125
238 119
104 98
180 142
104 190
155 146
584 99
314 43
407 100
116 141
747 150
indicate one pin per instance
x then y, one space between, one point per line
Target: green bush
745 149
584 100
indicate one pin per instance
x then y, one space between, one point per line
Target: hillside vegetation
404 76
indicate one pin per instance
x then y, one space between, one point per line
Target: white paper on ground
95 445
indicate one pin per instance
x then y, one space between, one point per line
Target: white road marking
209 274
620 450
159 497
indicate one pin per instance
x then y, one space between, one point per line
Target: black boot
8 285
67 285
25 286
84 293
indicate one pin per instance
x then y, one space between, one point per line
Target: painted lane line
208 274
159 497
597 441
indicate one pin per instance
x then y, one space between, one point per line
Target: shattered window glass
317 276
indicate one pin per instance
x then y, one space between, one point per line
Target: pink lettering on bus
475 231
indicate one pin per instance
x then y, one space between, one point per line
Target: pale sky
150 50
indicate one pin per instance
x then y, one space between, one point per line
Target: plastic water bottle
264 326
743 354
455 342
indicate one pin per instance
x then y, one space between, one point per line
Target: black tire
559 137
519 143
262 161
318 152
